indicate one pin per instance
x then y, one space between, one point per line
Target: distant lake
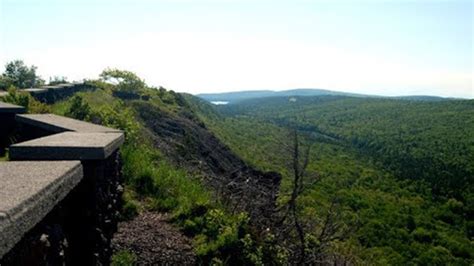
219 102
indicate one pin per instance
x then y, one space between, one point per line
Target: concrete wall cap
56 123
28 192
11 108
68 146
33 90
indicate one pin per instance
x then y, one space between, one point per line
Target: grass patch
123 258
131 206
171 189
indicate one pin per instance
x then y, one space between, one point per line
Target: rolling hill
239 96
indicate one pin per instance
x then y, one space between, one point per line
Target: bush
24 99
100 107
435 256
130 206
222 237
123 258
117 116
79 109
16 97
421 235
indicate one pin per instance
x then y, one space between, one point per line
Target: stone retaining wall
7 124
69 223
52 94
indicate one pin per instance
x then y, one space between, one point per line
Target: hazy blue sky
379 47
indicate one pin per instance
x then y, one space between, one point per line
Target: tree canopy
124 80
18 74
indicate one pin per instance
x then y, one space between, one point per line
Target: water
219 102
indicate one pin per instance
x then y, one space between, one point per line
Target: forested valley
397 173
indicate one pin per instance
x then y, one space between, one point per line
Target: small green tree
125 81
5 82
20 75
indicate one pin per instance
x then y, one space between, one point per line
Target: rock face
192 146
51 214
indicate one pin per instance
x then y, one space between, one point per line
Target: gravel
154 241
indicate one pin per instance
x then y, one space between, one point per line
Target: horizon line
337 91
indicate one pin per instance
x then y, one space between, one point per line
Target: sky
402 47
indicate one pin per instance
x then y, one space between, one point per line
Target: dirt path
154 241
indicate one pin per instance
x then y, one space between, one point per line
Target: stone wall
68 223
52 94
7 122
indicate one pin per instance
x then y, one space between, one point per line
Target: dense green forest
387 181
401 171
430 141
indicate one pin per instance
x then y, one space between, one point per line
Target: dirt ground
154 241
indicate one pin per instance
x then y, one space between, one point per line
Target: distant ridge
425 98
237 96
233 97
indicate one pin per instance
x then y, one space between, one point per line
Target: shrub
79 109
130 206
123 258
117 116
434 256
421 235
24 99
